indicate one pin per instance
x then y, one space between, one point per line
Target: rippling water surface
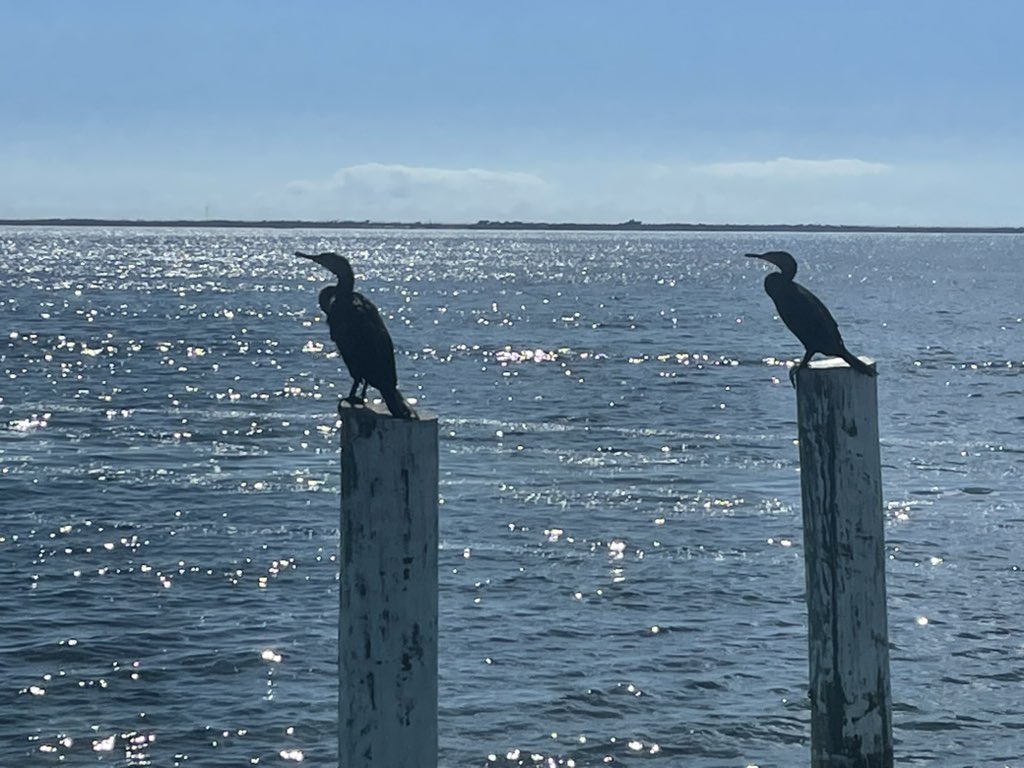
621 565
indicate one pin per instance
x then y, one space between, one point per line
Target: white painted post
844 555
387 626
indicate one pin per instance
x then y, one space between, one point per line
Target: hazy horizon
735 113
629 225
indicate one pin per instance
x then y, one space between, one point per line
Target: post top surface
837 362
376 409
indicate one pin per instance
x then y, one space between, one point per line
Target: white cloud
792 168
403 177
783 190
379 191
790 190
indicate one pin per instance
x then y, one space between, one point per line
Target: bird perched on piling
805 315
358 330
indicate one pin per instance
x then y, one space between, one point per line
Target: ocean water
621 564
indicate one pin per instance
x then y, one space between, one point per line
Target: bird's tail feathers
857 364
396 404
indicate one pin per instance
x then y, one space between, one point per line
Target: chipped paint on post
387 626
844 551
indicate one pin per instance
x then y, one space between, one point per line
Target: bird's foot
353 400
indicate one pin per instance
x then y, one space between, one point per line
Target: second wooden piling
848 640
387 626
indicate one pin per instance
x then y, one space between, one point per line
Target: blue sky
751 112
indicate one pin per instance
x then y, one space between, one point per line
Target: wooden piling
848 639
387 627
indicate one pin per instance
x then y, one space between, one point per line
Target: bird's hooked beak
771 257
317 257
337 264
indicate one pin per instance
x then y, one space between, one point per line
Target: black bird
358 330
805 315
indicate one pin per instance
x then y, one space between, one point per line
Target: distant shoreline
490 226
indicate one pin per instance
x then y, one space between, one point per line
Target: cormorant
358 330
805 315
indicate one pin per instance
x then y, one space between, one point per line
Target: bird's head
780 259
336 263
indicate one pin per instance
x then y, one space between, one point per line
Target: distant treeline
632 225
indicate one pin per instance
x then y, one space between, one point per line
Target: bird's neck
776 282
344 288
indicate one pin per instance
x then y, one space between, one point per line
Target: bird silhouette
805 315
363 340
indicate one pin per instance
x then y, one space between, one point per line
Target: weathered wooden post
848 638
387 626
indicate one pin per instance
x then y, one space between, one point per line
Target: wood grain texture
387 627
844 545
